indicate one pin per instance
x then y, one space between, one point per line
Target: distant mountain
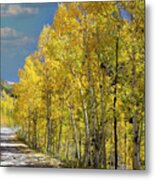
7 86
10 82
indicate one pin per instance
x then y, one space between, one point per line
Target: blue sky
21 25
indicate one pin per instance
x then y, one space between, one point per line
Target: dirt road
16 153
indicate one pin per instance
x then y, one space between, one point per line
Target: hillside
6 86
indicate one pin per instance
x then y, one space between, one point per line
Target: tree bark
29 123
59 139
125 149
101 79
48 119
136 148
74 132
48 135
35 131
92 116
115 111
87 154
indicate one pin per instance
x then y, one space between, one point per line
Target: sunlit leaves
72 77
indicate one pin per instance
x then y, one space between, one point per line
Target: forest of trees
6 104
80 97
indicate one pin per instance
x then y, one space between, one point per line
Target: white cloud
19 42
9 32
14 10
9 36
